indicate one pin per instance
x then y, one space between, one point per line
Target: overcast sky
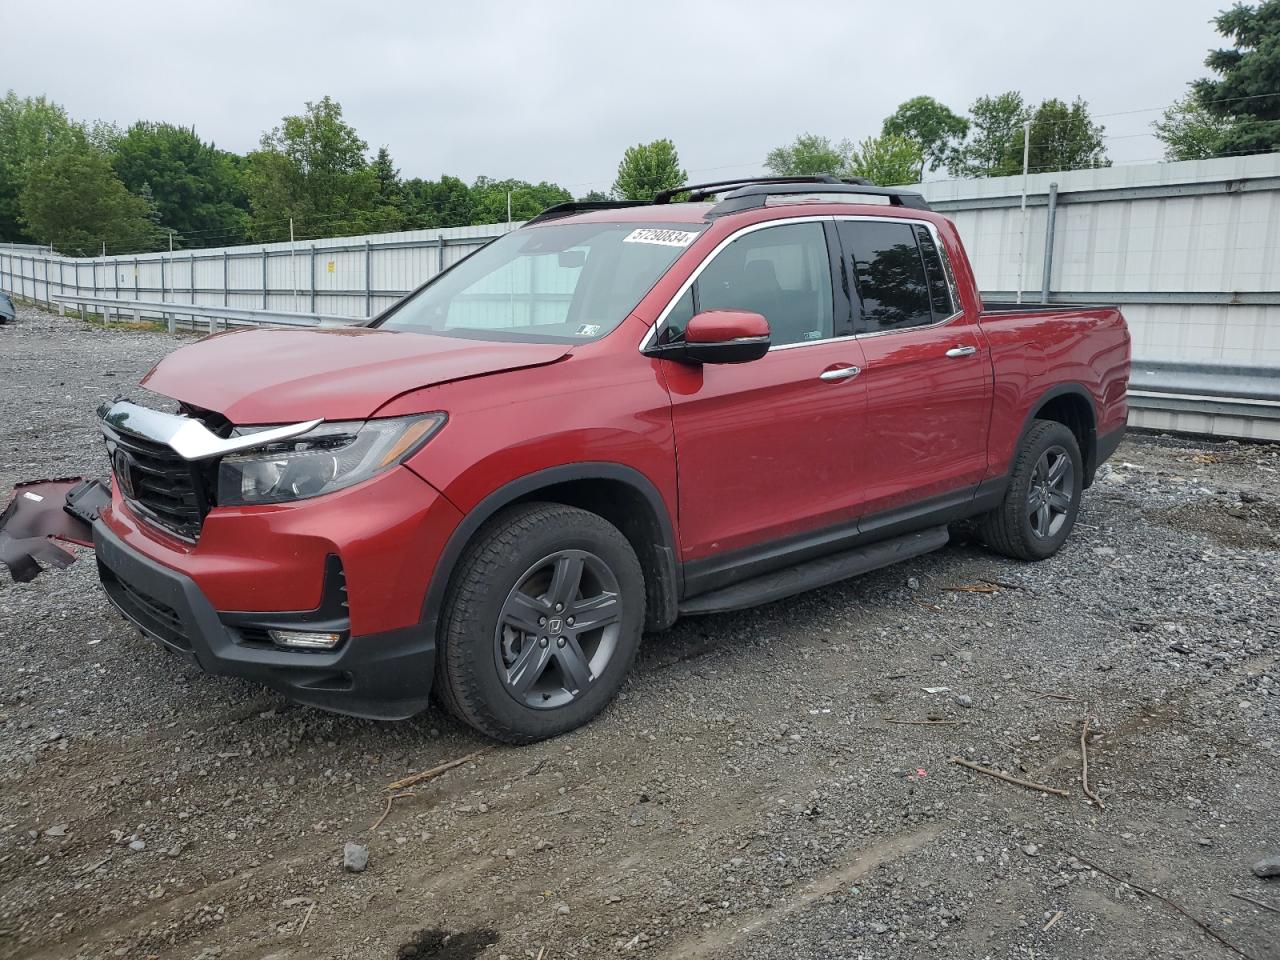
557 90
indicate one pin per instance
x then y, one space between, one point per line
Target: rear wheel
1040 506
541 624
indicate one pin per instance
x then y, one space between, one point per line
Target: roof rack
758 195
746 193
570 207
700 191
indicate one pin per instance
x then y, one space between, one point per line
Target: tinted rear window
889 274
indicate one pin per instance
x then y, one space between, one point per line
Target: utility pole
171 241
508 206
293 264
1026 227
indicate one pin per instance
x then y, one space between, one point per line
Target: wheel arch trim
1077 390
669 581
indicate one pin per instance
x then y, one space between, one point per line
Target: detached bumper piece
43 512
384 676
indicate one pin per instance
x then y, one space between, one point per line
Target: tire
1047 461
507 675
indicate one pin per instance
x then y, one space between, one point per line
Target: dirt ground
749 796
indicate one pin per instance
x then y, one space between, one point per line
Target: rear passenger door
765 449
927 370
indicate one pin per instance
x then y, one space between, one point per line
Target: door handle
840 373
962 351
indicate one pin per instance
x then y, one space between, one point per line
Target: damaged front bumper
43 512
382 676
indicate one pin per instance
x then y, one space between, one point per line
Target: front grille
156 618
161 485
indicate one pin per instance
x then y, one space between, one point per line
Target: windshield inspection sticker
667 238
589 330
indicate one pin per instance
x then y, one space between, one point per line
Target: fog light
305 638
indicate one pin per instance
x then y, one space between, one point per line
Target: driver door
766 450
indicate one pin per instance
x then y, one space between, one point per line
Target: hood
265 376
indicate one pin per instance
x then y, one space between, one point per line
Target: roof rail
570 207
757 194
700 191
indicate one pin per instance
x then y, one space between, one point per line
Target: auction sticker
666 238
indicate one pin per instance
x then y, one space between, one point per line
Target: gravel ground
746 797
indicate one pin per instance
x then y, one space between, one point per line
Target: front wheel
1040 506
541 623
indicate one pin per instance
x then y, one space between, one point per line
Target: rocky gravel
749 794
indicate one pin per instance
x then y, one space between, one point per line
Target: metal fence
349 276
1190 250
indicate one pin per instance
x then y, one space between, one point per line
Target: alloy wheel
1051 492
558 629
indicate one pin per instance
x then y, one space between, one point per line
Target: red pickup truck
613 416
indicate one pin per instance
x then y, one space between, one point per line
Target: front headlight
328 458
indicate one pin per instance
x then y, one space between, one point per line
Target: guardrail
1207 399
228 316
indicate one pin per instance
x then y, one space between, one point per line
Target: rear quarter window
889 273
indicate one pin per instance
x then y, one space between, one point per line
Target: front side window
562 282
889 273
782 273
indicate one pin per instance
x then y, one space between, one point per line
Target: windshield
565 282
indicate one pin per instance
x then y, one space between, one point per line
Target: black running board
816 573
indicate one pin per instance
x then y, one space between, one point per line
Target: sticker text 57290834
667 238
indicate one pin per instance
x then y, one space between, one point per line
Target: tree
1062 138
594 196
196 188
647 168
489 199
387 177
31 130
312 168
994 145
429 204
809 155
1247 90
932 125
1190 132
75 201
888 160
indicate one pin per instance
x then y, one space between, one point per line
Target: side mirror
719 336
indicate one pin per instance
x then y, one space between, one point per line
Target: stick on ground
1008 779
1163 899
435 771
1054 919
1256 903
1049 695
1006 584
1084 766
307 919
929 721
391 798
